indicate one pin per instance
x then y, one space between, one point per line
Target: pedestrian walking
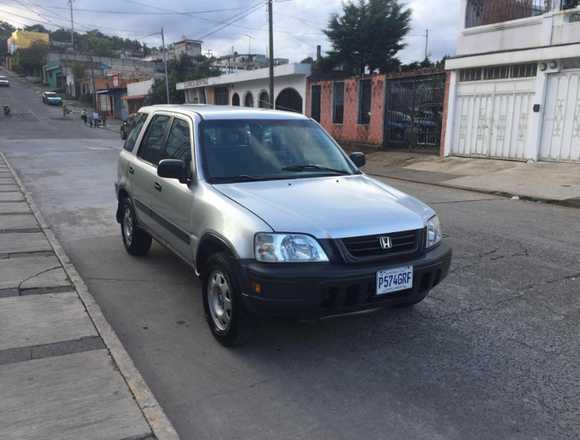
84 116
96 119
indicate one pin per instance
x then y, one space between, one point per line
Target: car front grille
402 243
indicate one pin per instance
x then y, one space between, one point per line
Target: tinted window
135 127
152 144
178 144
239 150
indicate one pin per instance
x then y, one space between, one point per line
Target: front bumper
324 289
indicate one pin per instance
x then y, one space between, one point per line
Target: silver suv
273 216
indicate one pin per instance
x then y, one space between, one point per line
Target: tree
368 35
6 30
30 61
36 28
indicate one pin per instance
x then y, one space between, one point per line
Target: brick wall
444 117
350 131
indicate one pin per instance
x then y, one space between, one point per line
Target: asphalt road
493 353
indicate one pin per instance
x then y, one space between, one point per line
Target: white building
137 93
191 48
250 88
514 85
239 61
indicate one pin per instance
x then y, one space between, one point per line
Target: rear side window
151 148
178 144
137 125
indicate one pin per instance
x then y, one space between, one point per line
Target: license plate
394 280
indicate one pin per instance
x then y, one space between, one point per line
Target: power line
231 20
117 12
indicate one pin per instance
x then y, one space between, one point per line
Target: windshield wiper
312 167
240 178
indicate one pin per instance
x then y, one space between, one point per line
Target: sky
224 25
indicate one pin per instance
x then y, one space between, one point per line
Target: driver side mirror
174 169
359 159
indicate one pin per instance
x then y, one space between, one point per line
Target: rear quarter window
134 133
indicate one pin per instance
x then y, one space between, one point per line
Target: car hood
330 207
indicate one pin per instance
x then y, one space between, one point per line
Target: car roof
220 112
50 93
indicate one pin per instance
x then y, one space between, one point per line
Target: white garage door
561 129
491 119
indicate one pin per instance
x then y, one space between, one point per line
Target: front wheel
224 310
137 242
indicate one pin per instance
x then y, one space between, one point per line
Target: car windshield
248 150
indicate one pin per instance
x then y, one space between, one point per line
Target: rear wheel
137 242
227 319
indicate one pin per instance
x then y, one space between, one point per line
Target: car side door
173 200
145 169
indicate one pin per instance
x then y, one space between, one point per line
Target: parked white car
273 215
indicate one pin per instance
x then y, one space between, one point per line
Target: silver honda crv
273 216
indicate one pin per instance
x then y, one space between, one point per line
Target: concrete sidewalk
542 181
63 372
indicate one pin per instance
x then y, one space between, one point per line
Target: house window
264 100
338 103
221 96
315 105
499 72
249 100
364 101
470 75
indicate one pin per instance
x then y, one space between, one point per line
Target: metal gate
561 130
492 119
413 111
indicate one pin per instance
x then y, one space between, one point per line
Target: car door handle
131 170
158 187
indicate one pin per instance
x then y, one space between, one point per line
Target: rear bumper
317 290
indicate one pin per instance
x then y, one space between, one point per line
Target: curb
160 425
565 203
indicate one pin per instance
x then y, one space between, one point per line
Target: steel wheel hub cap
220 300
128 226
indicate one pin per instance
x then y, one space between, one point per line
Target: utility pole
165 66
72 24
426 43
271 23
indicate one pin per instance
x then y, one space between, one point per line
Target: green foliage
30 61
368 35
36 28
6 30
184 69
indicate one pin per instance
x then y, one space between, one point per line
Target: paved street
493 353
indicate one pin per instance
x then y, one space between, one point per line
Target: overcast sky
298 23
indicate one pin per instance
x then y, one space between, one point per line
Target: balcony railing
482 12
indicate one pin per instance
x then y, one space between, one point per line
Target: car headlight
288 248
434 233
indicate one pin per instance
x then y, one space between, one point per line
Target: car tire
137 242
226 316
